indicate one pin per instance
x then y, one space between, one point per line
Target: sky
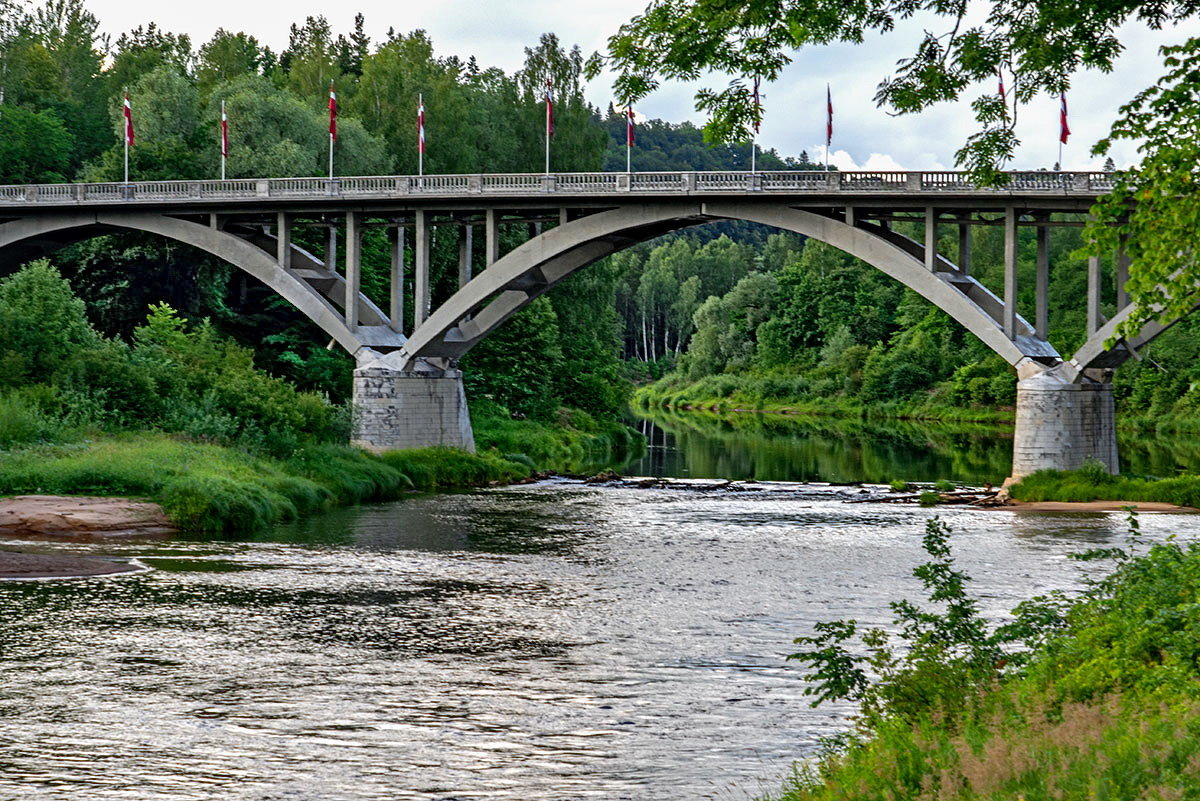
865 137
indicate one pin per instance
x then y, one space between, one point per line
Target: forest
725 314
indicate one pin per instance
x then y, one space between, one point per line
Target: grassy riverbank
1093 483
212 487
1103 705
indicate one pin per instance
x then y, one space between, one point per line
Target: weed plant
1092 698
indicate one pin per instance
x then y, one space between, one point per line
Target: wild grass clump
1092 482
436 468
1087 699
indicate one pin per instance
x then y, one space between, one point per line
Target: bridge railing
533 184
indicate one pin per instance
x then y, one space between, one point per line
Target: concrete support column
353 267
421 269
1093 296
1042 314
931 232
331 249
1010 272
396 313
964 245
1121 269
491 232
396 409
283 240
850 220
465 252
1060 425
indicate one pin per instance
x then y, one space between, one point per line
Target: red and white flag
549 109
332 112
128 121
828 117
629 126
224 131
420 123
1064 130
1003 94
757 106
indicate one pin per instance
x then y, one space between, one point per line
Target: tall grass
1093 483
1105 705
209 487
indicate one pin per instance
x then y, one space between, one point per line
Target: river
547 642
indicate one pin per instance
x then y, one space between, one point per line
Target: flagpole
828 124
222 140
549 111
629 139
125 112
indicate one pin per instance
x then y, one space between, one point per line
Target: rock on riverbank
60 518
82 519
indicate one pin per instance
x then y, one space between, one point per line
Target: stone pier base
1061 425
395 410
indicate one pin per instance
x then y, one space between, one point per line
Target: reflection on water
774 447
552 642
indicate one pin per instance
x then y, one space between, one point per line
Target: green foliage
1039 49
929 498
898 486
1154 206
35 147
1094 483
1102 704
42 324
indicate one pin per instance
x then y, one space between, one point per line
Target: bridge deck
885 188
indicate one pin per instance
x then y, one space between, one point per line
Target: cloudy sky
497 31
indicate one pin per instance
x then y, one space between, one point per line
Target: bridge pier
397 409
1063 423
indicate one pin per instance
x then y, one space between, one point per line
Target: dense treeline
794 323
60 119
62 85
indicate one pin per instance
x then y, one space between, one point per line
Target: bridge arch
224 245
529 270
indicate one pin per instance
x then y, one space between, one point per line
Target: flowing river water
546 642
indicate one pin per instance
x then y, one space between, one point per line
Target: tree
1039 46
41 324
35 147
1153 212
227 56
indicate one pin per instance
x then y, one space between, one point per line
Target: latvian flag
549 109
629 126
1064 130
224 131
332 112
420 124
128 121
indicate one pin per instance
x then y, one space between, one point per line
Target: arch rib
529 270
225 246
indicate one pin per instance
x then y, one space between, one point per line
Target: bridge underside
408 387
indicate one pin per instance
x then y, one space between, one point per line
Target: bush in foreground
1087 700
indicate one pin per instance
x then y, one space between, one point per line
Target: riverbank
1092 484
1103 703
215 488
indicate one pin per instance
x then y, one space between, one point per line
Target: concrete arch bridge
407 385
